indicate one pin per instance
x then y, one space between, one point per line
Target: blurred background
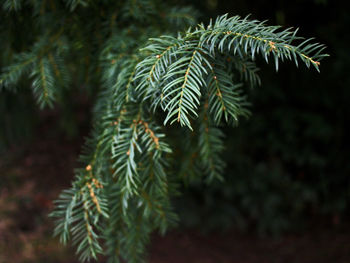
287 190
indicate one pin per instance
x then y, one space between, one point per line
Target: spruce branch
176 66
210 143
196 79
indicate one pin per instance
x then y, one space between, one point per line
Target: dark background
288 164
288 170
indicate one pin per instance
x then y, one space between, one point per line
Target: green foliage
130 161
45 65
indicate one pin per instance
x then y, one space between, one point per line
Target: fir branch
43 83
225 98
180 81
123 192
13 73
253 37
210 142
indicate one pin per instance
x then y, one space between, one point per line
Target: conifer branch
122 192
210 142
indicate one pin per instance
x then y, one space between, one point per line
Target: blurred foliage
17 118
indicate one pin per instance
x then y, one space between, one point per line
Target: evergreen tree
164 92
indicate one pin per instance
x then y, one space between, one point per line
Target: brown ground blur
33 175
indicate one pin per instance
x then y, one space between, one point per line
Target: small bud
272 45
88 168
